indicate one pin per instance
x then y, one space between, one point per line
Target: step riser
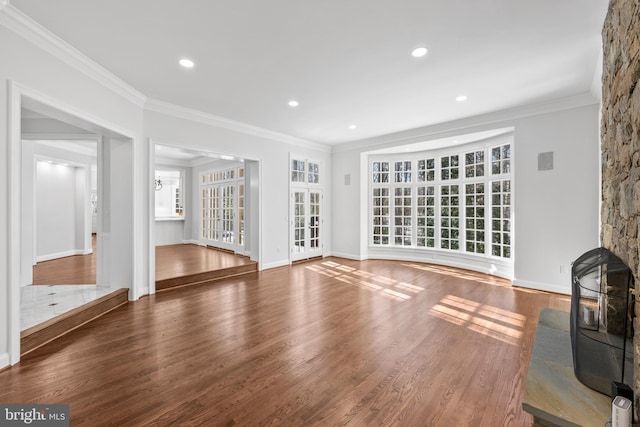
208 276
37 336
46 332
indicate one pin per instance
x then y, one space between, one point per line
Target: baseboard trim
480 265
547 287
4 361
65 254
346 256
267 266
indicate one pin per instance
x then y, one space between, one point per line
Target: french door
219 216
306 223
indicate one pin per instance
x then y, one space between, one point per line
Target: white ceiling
345 61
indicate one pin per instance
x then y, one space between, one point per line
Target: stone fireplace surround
620 139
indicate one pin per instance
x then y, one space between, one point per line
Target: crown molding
16 21
496 118
169 109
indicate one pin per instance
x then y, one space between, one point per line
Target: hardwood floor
172 261
329 342
71 270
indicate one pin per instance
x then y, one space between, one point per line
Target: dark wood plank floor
329 342
171 261
71 270
182 260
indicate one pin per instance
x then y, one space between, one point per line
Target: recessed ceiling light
186 63
352 127
419 52
293 103
461 98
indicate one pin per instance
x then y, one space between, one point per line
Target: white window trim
305 183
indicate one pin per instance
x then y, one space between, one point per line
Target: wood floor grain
172 261
329 342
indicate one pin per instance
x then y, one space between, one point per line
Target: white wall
169 232
556 212
55 210
57 224
120 206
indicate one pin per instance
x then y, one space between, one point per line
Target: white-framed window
305 172
501 159
450 217
313 176
455 199
403 171
380 172
169 194
475 217
426 170
474 164
297 170
501 218
426 217
403 203
380 229
449 167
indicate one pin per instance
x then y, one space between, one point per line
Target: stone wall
620 135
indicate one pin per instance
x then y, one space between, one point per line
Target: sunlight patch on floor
488 320
461 274
381 285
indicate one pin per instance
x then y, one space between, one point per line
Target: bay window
454 200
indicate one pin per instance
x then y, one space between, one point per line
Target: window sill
170 218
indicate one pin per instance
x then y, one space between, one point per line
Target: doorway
215 204
64 175
114 193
